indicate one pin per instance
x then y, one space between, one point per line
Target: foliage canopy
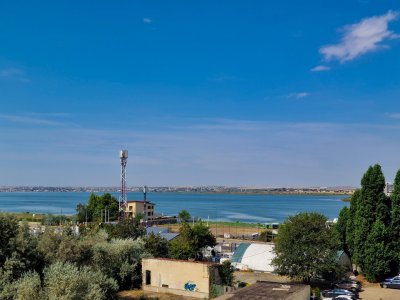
305 247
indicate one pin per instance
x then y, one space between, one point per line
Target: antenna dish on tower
123 154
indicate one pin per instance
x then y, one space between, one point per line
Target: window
148 277
165 285
130 208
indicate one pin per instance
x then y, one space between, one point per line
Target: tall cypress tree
350 226
372 205
341 228
377 255
395 218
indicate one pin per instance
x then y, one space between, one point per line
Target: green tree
226 273
341 228
48 245
378 257
82 213
26 249
191 241
178 248
184 215
395 218
94 210
350 226
202 237
305 247
372 205
8 233
156 245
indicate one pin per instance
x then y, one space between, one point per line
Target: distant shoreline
269 193
295 193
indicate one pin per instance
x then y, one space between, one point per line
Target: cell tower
123 155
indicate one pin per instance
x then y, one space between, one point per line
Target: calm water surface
221 207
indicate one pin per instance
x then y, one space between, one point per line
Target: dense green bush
29 287
65 281
58 264
120 259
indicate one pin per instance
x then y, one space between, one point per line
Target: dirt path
136 294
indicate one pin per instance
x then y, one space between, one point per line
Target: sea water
253 208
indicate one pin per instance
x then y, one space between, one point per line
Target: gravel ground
253 277
375 292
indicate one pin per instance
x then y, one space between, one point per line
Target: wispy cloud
222 151
222 77
50 114
14 73
320 68
394 116
299 95
147 20
35 119
361 38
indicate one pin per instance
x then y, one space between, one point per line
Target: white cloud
320 68
361 38
299 95
147 20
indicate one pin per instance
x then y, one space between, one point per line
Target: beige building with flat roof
135 207
180 277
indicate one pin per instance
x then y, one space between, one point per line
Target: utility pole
145 207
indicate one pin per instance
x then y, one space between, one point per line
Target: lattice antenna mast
123 199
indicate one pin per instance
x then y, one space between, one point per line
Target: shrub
29 287
65 281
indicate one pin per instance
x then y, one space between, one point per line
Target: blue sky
272 93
